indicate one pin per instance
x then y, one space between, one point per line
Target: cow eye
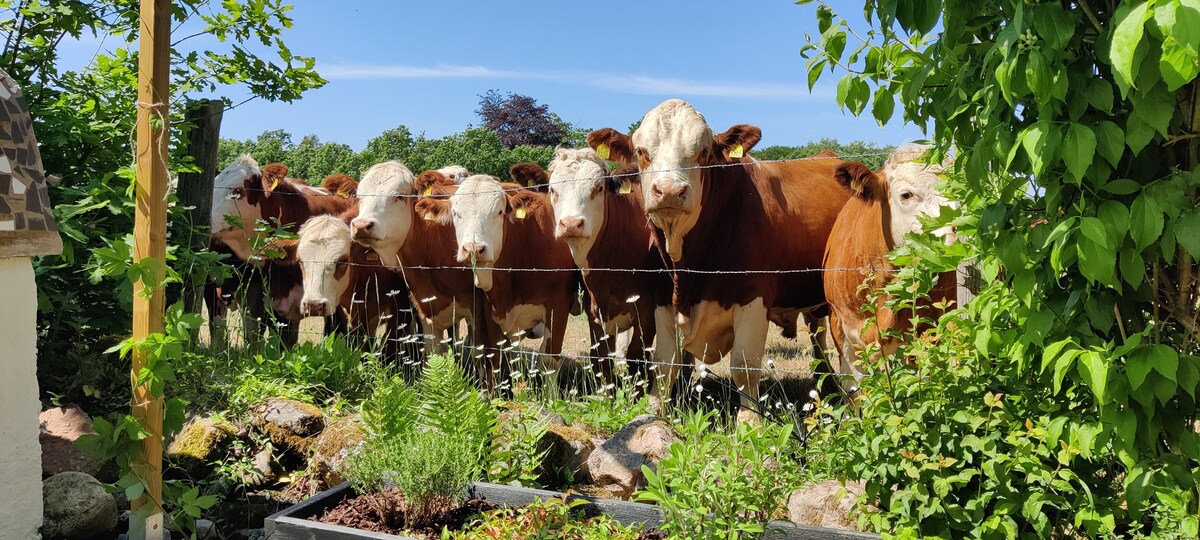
906 195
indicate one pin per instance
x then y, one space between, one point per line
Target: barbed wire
573 180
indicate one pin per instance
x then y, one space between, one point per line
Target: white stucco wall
20 452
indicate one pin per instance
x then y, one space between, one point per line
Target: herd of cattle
687 250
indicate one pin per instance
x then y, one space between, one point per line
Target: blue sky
596 64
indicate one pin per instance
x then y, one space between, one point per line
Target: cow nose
316 308
668 195
360 227
473 250
570 225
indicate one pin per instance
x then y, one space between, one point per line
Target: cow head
323 252
671 147
385 199
905 190
237 192
577 183
456 173
480 210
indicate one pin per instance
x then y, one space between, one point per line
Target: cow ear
282 252
341 185
624 179
531 175
736 142
273 175
437 210
425 184
612 145
522 204
859 180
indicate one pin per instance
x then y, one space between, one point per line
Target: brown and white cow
423 251
340 274
506 234
730 225
244 195
600 218
884 207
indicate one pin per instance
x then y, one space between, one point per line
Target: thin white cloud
613 82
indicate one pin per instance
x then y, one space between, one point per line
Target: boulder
200 441
289 423
331 448
567 450
76 507
826 504
616 464
61 427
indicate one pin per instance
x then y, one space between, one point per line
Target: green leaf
814 73
1115 216
1187 232
883 105
1154 106
1110 141
1145 221
1121 186
1179 23
1137 367
1079 149
1097 257
1138 133
1133 267
1099 94
1040 142
1164 360
1054 24
1130 24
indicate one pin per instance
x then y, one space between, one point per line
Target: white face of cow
577 191
324 255
458 173
477 211
912 196
670 143
385 215
229 199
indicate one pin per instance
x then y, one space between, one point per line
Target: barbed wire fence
531 365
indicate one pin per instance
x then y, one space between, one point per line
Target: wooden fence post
195 191
150 242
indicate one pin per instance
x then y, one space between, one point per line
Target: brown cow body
730 231
866 231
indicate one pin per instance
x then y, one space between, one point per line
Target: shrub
718 484
552 518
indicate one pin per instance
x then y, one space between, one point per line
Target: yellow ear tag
856 185
428 216
343 194
274 185
737 151
520 213
372 256
531 183
428 191
626 187
602 151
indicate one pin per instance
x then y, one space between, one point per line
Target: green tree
84 120
870 153
1062 400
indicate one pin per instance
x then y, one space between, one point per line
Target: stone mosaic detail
27 226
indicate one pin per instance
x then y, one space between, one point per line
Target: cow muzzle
667 198
474 252
363 230
570 228
319 307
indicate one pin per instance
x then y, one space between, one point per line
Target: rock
567 450
206 530
826 504
616 464
76 507
248 534
200 441
61 427
289 423
331 448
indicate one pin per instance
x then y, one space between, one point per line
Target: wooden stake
150 241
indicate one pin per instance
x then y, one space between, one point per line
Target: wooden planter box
294 524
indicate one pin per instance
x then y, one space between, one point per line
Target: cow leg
667 357
745 359
601 352
217 315
338 323
254 308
